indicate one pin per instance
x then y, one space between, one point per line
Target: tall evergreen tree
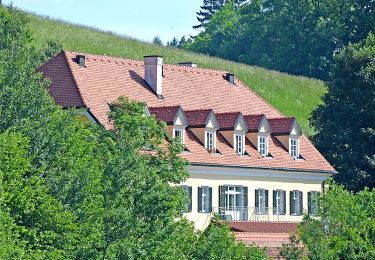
210 7
345 123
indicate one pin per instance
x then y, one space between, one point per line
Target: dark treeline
297 37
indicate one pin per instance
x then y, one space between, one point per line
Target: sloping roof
253 122
227 121
281 126
166 114
198 91
197 118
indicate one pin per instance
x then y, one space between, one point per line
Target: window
261 201
263 145
312 202
233 202
296 203
279 206
188 192
204 199
294 148
240 144
210 141
178 133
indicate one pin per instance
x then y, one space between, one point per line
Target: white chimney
154 73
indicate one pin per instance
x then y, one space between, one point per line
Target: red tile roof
104 79
253 122
197 118
227 121
263 226
166 114
281 126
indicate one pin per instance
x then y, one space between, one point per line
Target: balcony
254 214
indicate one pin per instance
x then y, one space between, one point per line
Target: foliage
297 37
217 242
344 228
294 249
157 41
345 122
209 8
299 95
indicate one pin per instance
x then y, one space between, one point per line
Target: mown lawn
292 95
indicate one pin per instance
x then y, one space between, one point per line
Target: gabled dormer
259 131
204 125
288 132
175 118
233 127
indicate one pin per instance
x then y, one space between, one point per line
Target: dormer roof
254 122
170 115
198 118
285 126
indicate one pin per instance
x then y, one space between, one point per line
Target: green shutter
266 204
300 203
257 199
210 199
274 204
291 203
245 203
190 198
309 203
283 202
199 199
221 200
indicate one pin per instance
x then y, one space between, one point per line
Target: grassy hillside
292 95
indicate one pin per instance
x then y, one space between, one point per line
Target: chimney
230 78
80 59
154 73
188 64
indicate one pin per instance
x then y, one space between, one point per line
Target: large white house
248 162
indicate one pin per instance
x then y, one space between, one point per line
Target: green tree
344 227
173 42
157 40
345 121
217 242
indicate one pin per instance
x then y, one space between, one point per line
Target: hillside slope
292 95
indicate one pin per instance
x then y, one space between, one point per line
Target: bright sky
141 19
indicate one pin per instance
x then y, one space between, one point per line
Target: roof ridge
140 61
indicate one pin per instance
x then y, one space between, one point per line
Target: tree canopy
345 121
298 37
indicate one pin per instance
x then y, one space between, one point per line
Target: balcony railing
251 214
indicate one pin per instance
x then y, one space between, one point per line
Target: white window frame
239 145
292 152
261 150
182 131
210 146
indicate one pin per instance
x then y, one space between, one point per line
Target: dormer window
294 147
263 145
240 144
210 141
179 134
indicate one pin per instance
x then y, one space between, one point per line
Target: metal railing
250 214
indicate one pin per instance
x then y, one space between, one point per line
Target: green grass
292 95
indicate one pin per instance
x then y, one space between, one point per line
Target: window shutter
190 199
300 200
283 202
210 199
207 199
274 204
309 203
291 204
266 199
199 199
245 203
257 200
221 200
